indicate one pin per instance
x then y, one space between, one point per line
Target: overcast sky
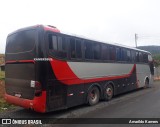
114 21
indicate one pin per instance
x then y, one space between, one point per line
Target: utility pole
136 37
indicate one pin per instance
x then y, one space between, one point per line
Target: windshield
20 42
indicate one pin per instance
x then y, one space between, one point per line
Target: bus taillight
38 89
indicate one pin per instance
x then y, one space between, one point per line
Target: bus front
23 83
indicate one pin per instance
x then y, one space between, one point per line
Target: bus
48 70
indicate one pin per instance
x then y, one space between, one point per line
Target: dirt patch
4 106
157 78
2 88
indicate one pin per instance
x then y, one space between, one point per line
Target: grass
2 75
4 106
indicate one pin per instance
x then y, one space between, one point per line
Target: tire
93 96
108 92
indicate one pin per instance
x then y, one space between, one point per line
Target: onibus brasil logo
20 121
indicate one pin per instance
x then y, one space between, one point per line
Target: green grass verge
2 74
4 106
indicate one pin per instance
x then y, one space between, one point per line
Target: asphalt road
146 105
143 103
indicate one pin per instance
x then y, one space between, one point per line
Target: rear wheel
93 96
108 92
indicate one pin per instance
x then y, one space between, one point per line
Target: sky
114 21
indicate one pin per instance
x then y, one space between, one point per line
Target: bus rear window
22 41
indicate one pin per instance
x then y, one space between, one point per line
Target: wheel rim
93 95
109 92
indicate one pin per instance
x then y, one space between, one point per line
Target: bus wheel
108 92
146 83
93 96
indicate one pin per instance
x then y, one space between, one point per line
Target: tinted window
97 51
124 55
105 52
73 48
88 50
76 48
118 54
128 55
133 55
57 43
57 46
21 41
112 53
145 57
137 57
140 57
61 44
53 44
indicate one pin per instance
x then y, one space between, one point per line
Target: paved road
144 103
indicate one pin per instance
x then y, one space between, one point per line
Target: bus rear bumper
38 104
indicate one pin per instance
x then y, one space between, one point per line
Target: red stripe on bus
20 61
65 75
38 103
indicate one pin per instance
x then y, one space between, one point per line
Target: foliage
4 106
2 57
156 60
152 49
156 56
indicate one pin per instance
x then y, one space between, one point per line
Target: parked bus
47 70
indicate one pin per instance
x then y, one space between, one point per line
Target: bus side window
73 48
97 51
57 46
140 57
105 52
118 54
112 53
124 55
53 42
61 44
128 55
145 58
137 57
133 54
78 49
88 48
